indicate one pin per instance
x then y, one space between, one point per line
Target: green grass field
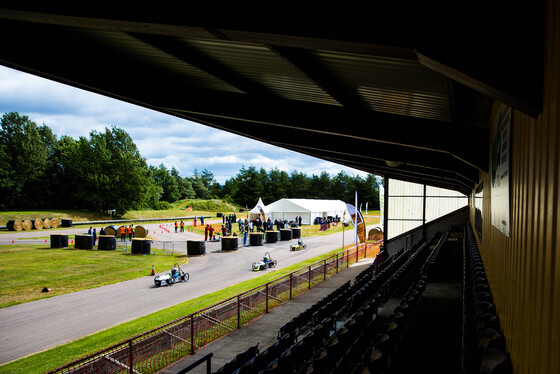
26 269
53 358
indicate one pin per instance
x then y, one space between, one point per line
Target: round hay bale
55 222
46 223
375 234
111 230
140 246
256 238
83 241
59 240
107 243
37 224
26 224
230 243
196 247
140 232
272 236
296 232
15 225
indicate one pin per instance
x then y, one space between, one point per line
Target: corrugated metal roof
361 95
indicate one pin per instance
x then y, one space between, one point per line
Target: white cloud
161 139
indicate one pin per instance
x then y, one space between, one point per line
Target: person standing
94 236
245 238
206 233
182 226
123 233
130 232
176 226
211 233
102 231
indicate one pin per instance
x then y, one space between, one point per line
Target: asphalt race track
39 325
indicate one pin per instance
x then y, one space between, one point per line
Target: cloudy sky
161 139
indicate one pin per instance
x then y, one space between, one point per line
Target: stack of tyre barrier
484 345
331 336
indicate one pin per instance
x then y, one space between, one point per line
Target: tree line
106 171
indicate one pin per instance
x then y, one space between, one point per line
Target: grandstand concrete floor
433 344
264 330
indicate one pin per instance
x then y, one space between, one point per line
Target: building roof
307 205
404 93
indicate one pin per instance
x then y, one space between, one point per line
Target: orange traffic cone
153 270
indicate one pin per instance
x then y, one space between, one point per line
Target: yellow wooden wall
524 269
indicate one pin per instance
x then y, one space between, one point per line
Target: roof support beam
306 63
379 128
194 57
357 150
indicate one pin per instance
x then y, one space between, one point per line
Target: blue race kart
265 263
177 275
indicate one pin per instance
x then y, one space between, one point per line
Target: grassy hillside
178 209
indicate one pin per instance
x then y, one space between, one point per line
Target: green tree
204 184
105 172
126 179
247 187
277 183
24 161
299 185
184 185
321 187
168 184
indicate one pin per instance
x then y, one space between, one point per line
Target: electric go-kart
299 246
265 263
177 275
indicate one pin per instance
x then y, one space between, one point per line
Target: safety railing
154 350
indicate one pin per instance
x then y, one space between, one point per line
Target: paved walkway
264 330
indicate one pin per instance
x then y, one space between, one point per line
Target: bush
211 205
162 205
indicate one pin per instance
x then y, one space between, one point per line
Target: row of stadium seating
315 340
483 341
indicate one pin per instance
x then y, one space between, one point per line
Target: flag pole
356 222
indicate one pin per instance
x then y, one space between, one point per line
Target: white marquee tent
258 210
307 209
